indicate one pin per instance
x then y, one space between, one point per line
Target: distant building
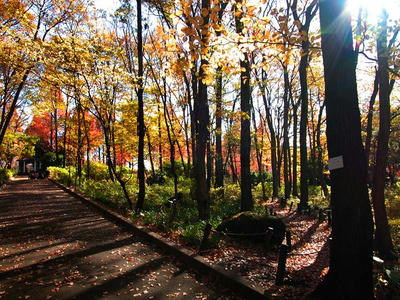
25 166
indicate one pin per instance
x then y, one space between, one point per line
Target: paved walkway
54 247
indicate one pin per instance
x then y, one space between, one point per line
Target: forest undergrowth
307 261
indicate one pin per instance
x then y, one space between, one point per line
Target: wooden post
204 241
320 215
280 272
268 237
329 218
289 240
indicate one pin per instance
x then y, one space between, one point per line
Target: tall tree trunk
176 138
286 165
6 117
313 150
201 116
209 163
382 233
112 167
274 163
79 148
246 203
303 133
219 169
187 140
167 120
310 12
87 136
191 110
65 133
51 132
245 141
259 156
350 265
140 117
370 116
320 153
88 157
160 158
56 136
201 119
295 192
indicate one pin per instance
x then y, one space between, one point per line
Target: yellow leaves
250 9
208 75
244 115
237 13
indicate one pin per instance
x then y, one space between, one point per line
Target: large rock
251 223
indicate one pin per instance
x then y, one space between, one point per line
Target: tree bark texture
350 266
295 192
382 232
370 117
286 165
140 116
201 119
219 169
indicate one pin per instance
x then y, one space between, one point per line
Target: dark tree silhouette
140 117
350 266
382 233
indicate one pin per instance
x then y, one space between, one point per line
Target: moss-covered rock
251 223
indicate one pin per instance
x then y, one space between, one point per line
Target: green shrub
178 168
154 218
192 234
395 231
316 196
257 192
50 159
232 192
106 191
157 177
187 215
6 174
98 171
256 177
157 195
62 175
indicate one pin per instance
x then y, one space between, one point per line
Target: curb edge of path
230 279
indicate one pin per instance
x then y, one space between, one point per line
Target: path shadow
34 249
315 268
121 281
68 257
310 231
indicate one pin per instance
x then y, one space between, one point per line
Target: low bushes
63 175
106 191
251 223
98 171
6 174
